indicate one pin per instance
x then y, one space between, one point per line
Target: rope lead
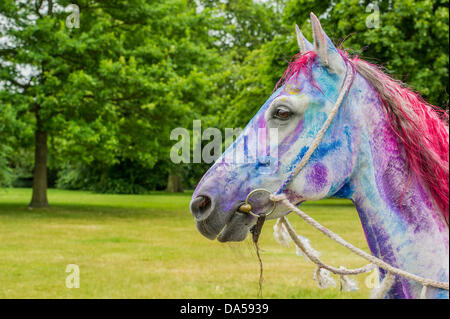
387 282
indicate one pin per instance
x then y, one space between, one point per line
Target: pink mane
422 128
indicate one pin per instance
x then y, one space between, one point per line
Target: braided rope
372 259
315 259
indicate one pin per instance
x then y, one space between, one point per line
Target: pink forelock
301 62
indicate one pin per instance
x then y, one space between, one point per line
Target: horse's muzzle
214 223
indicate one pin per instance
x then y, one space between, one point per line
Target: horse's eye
282 114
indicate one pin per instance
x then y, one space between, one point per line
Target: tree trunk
174 183
39 198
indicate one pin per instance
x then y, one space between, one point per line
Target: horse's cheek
317 181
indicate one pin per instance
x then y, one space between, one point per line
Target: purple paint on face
317 177
287 142
262 122
292 195
263 138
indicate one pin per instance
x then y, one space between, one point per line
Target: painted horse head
386 149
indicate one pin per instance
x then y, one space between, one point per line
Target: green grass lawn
147 246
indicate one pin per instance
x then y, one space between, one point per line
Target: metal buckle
253 192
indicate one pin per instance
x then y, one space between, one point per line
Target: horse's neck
402 225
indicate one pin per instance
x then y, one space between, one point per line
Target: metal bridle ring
255 191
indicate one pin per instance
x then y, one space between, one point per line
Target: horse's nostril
201 207
205 203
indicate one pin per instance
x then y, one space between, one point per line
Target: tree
110 90
246 24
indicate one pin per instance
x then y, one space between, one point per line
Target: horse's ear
303 44
325 49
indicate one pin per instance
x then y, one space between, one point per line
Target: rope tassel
323 278
348 284
280 233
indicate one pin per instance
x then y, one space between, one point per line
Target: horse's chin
234 228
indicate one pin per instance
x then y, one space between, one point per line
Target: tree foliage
110 91
104 97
